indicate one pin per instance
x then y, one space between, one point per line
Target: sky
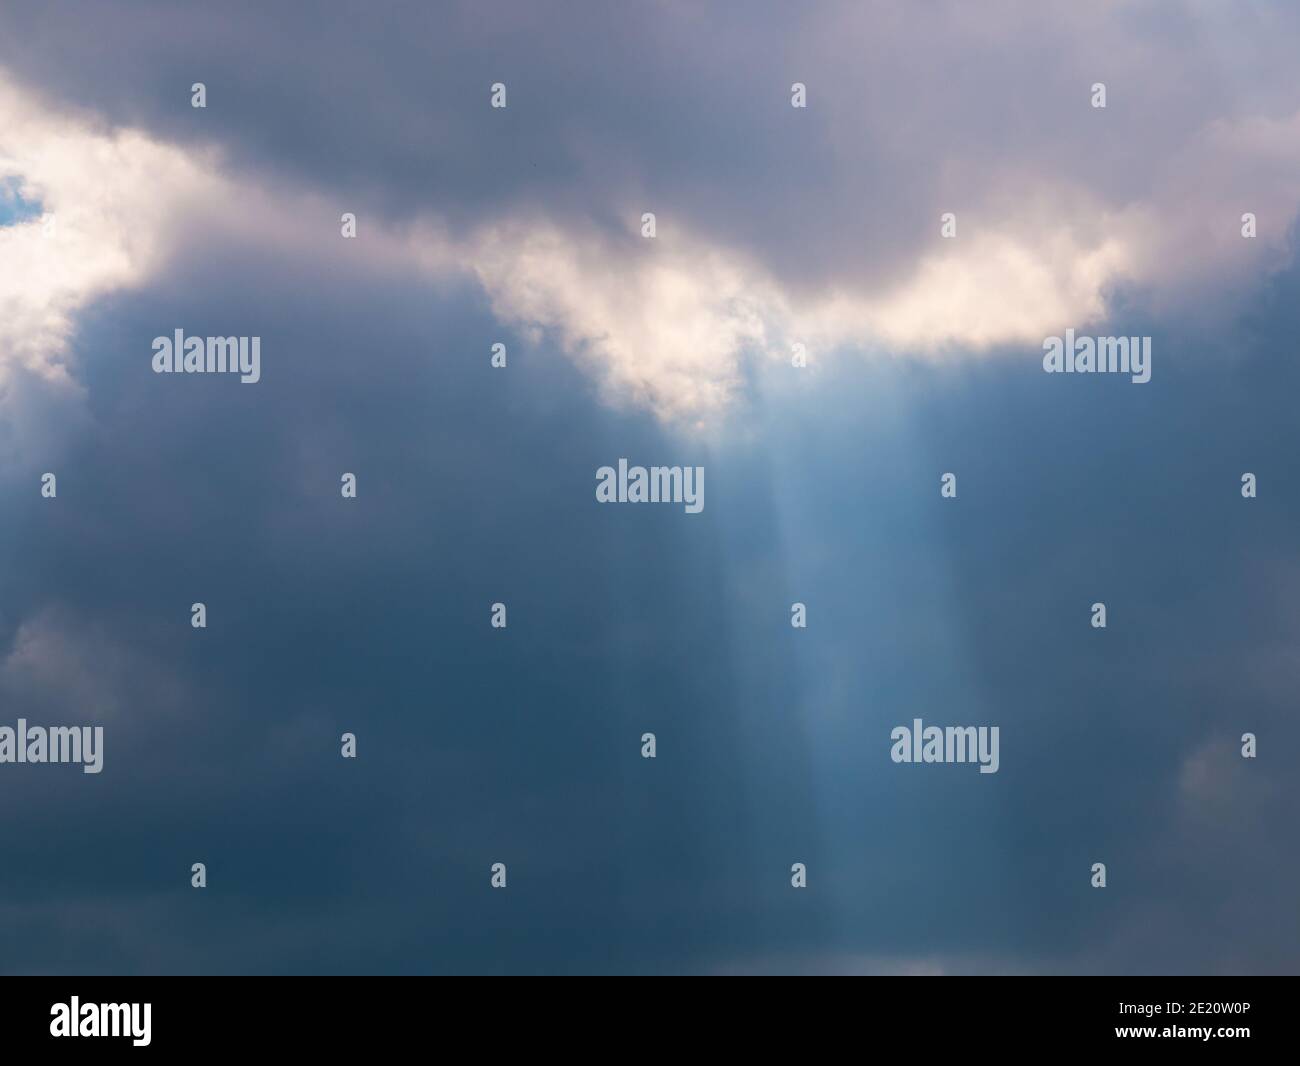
127 213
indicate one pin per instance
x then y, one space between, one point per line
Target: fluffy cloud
776 225
666 329
109 200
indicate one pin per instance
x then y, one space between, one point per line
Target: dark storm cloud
476 485
478 746
684 110
475 745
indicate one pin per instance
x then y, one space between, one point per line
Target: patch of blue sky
14 207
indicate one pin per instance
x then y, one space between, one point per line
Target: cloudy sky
126 213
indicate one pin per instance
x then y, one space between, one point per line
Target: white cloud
661 327
110 200
1059 207
668 325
